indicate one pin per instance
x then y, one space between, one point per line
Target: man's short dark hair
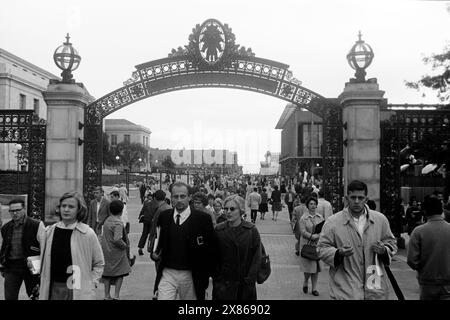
180 184
159 195
321 194
115 193
276 187
98 188
200 196
17 200
432 205
116 207
357 185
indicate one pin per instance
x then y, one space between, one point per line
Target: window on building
113 139
23 101
146 141
311 139
143 141
36 106
126 138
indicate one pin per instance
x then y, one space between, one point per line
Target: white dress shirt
183 215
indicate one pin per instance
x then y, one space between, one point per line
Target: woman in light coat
72 265
307 223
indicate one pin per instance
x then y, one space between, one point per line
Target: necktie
178 220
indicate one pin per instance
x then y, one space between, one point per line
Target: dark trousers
145 233
15 273
290 206
253 214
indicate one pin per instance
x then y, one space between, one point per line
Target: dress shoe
132 261
297 253
315 293
140 252
305 289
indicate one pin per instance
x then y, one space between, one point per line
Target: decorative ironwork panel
37 164
25 128
92 175
402 128
332 153
211 51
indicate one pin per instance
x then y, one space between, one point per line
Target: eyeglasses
16 210
230 208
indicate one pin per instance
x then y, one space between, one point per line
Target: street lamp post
18 148
117 169
160 174
139 167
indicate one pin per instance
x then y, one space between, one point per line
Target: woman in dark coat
114 245
239 254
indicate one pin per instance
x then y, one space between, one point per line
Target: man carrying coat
356 242
187 245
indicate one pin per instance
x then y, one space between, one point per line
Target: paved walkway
283 284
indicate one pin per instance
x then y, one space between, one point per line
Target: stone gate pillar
64 158
361 114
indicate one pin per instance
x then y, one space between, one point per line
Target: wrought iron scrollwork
332 153
402 128
93 136
25 128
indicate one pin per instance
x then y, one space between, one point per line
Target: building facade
122 130
202 162
21 87
301 142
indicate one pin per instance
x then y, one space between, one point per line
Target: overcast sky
312 37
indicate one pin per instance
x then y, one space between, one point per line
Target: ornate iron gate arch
213 59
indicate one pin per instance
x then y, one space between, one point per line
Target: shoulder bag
309 250
264 268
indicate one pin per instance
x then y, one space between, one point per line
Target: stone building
122 130
301 141
21 87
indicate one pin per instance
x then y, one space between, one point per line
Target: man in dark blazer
98 210
21 238
187 246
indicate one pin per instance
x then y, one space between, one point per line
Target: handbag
309 250
264 268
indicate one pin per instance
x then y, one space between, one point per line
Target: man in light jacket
254 200
356 242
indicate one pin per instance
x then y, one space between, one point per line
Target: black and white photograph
238 152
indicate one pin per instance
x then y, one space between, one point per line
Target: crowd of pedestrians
197 233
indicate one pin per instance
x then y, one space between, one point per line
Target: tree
130 153
168 163
440 63
440 81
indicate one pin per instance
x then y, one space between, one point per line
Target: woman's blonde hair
82 208
240 202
